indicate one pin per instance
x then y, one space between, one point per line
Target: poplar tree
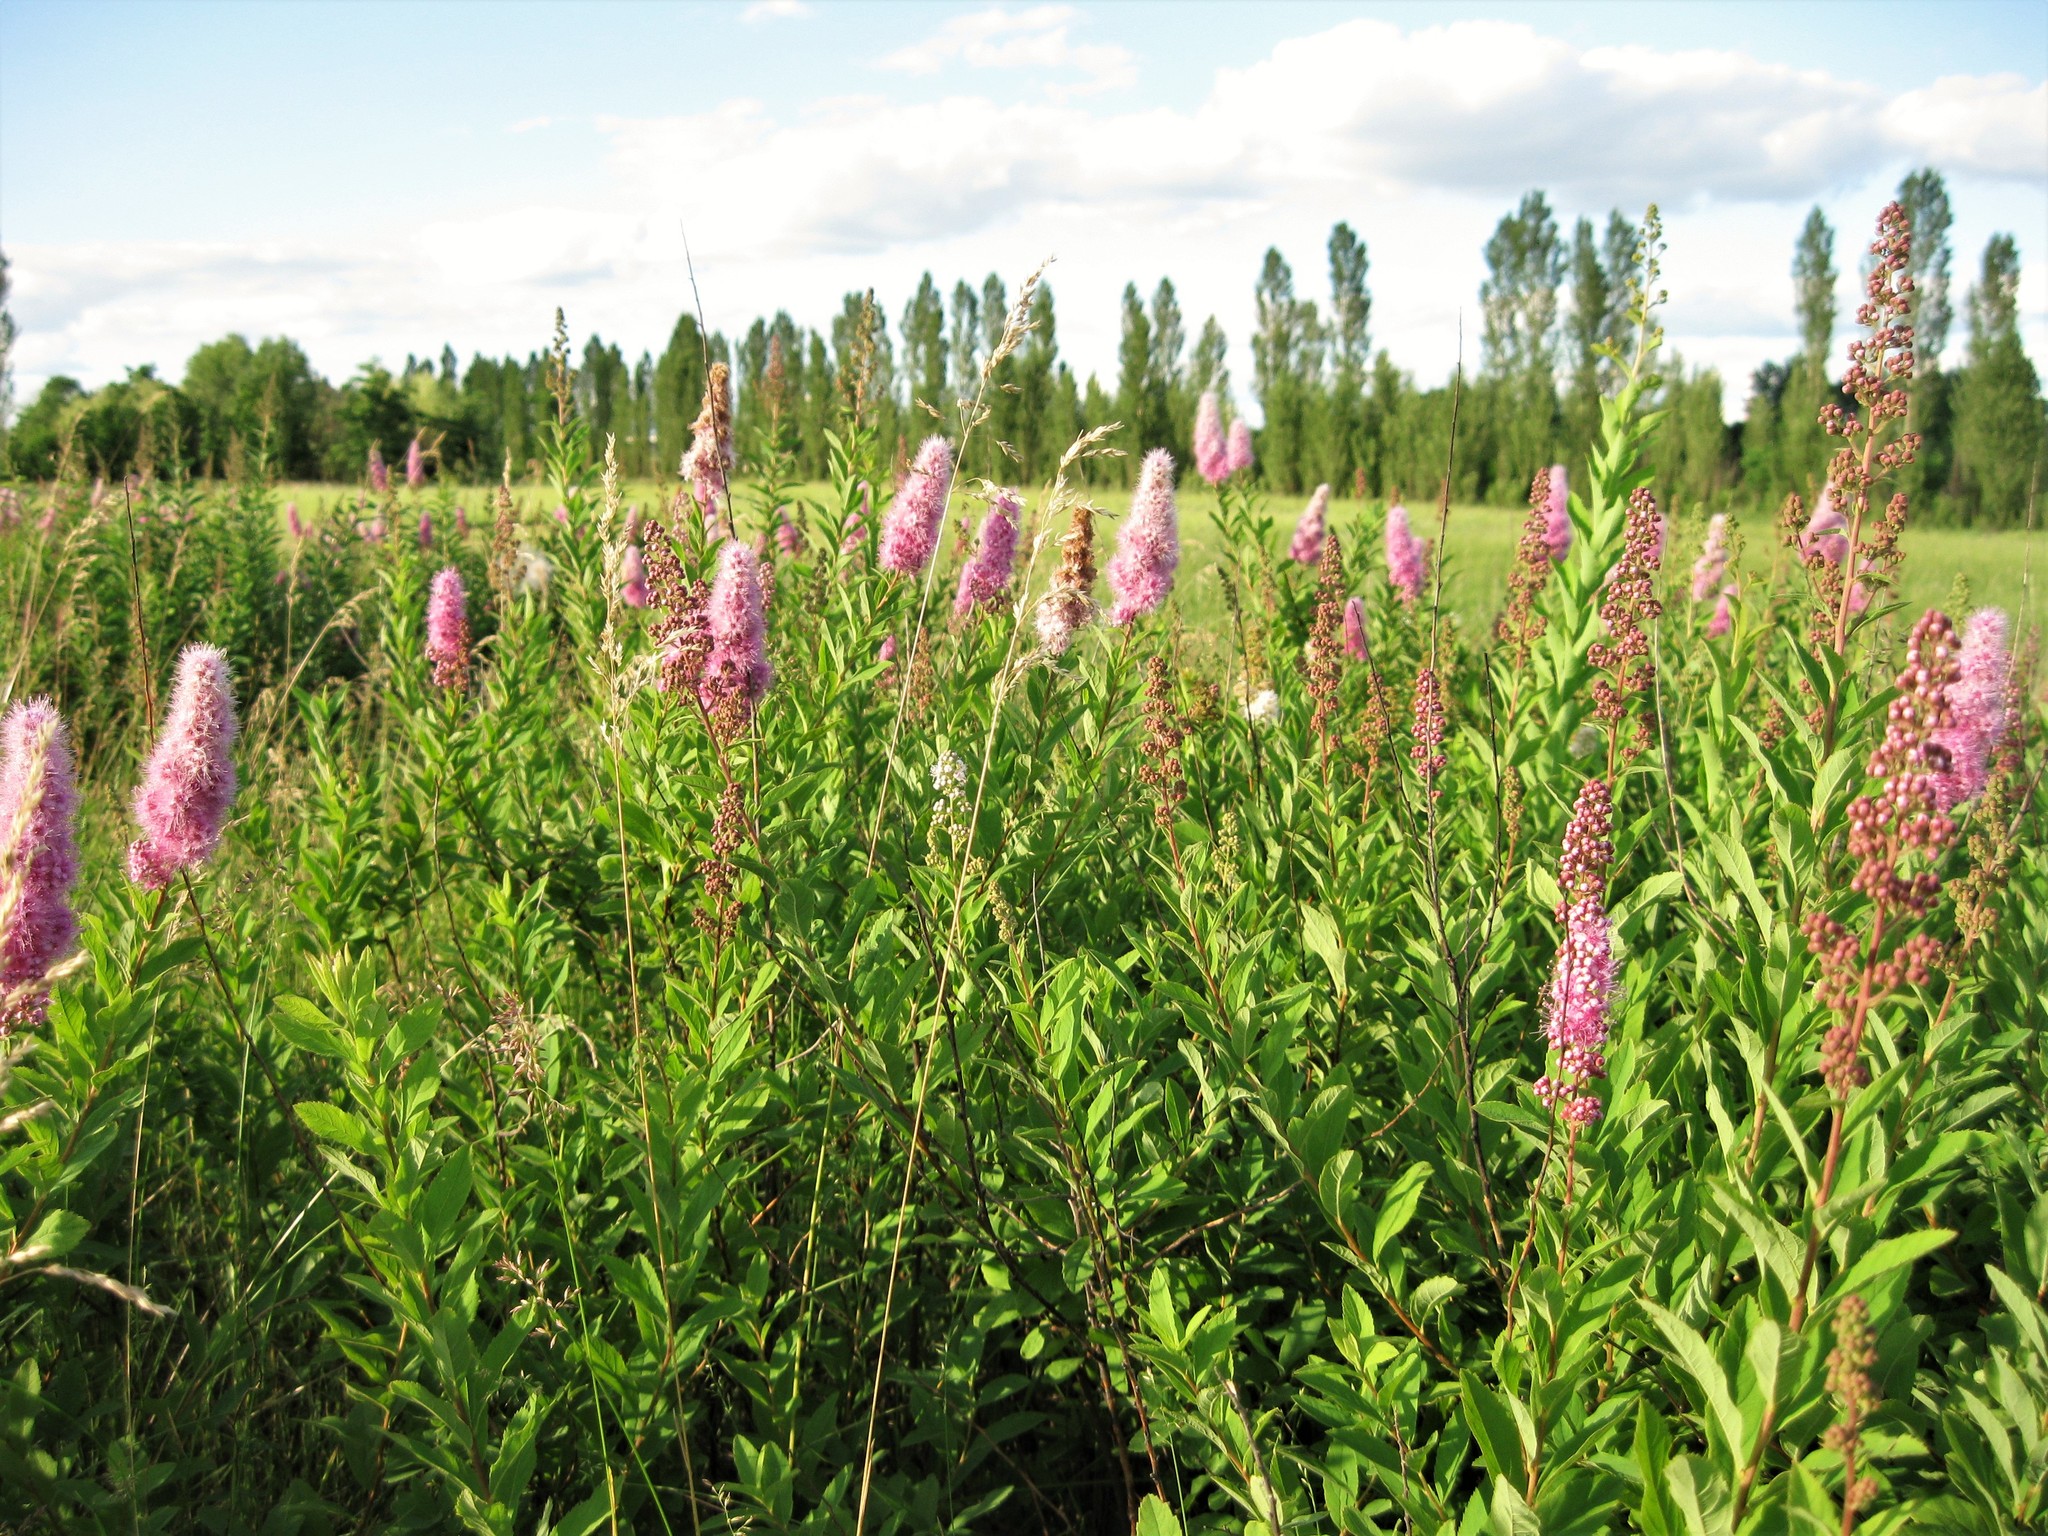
1999 422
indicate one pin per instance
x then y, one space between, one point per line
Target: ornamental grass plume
633 578
1980 708
1712 564
1307 546
1355 648
448 630
1240 452
1407 564
1212 452
736 669
910 528
380 472
189 782
1557 514
1580 999
1140 573
415 464
707 465
38 858
986 577
1069 603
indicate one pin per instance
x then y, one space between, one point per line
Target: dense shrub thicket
853 1047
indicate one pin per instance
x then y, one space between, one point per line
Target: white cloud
1034 39
775 10
529 124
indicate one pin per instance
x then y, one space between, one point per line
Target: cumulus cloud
1032 39
775 10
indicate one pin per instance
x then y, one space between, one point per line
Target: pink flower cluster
985 578
910 528
1580 1000
189 781
1557 516
1307 547
736 671
1140 573
448 629
380 472
1407 556
1980 708
1712 564
415 464
1239 458
633 578
1354 630
1212 453
38 871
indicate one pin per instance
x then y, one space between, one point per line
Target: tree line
1334 409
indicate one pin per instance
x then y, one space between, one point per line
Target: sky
378 179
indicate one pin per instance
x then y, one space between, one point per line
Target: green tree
678 392
924 355
1518 306
964 343
1287 351
1350 350
1206 366
1803 448
1169 372
1999 421
1140 399
1931 394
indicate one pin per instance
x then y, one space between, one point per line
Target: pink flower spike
887 653
1354 630
1212 453
448 630
38 871
1307 545
1557 526
426 530
1140 574
461 523
1240 446
910 528
1713 561
736 672
189 782
415 464
1405 555
1724 615
1580 999
380 472
633 578
788 537
985 578
1980 708
291 520
1827 532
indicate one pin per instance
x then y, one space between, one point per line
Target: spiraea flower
856 528
1724 614
448 630
415 464
1980 708
1557 514
189 782
736 669
380 472
38 857
1355 648
1069 603
1713 561
1628 607
788 537
1263 707
1140 574
1326 637
707 464
985 578
426 530
291 520
1580 999
1855 1394
1407 556
1307 545
461 522
1212 452
1159 770
1240 452
1428 722
633 578
1826 535
910 528
1520 624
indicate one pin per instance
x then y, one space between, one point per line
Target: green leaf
1398 1207
1887 1256
1155 1519
331 1122
1699 1363
302 1024
1492 1424
1320 934
56 1235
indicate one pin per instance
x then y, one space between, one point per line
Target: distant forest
1333 408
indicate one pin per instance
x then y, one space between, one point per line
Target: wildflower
10 506
448 630
681 626
415 464
1325 637
736 669
886 652
788 537
1713 561
633 522
1980 706
1581 993
561 515
1140 574
720 911
461 523
1354 630
633 578
380 472
1724 614
1826 534
291 520
189 781
950 812
1240 454
426 530
1212 454
708 463
372 531
1849 1364
38 857
1263 708
910 528
1307 546
1629 604
1405 555
856 526
1557 515
1520 625
1428 721
1069 602
1160 768
986 577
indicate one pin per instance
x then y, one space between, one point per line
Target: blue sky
379 178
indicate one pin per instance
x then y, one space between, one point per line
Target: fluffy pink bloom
1212 454
1713 561
461 523
910 528
1724 615
426 530
887 653
189 782
1557 515
291 520
1307 545
380 472
1240 457
1827 532
633 523
1140 573
633 578
1581 995
448 629
1980 708
737 669
788 537
985 578
10 506
372 531
1405 555
562 514
415 464
35 764
1354 629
